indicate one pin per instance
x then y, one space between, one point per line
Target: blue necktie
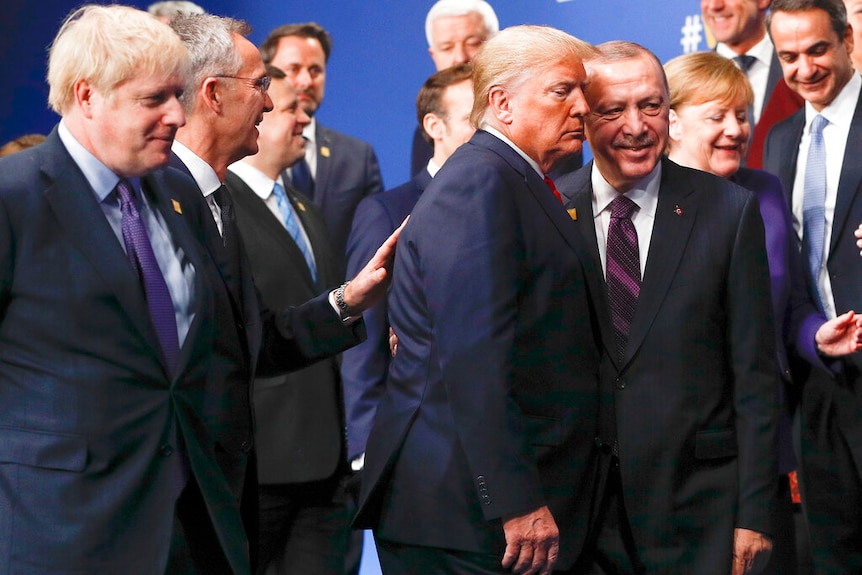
292 225
300 177
139 250
814 201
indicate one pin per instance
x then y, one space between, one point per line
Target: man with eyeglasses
223 106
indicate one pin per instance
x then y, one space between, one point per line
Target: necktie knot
745 62
126 194
623 207
817 124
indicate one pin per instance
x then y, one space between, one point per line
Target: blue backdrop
378 63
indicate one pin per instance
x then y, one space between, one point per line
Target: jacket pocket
43 449
715 443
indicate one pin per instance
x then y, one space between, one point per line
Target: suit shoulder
341 139
757 180
710 187
19 169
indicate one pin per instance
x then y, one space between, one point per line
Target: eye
610 114
651 108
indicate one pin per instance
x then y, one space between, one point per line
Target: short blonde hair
514 55
702 77
107 45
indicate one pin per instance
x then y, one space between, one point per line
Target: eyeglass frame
260 84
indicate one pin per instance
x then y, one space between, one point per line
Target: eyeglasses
260 84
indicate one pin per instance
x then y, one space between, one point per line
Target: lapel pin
177 207
300 206
324 151
573 213
677 210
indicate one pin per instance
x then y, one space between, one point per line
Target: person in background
455 30
815 153
21 143
338 171
165 11
709 131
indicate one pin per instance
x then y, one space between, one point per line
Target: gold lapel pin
573 213
177 207
324 151
301 206
677 210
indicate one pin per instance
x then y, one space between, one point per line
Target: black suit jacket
347 171
833 390
692 403
490 404
299 435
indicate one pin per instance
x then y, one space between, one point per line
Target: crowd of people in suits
619 368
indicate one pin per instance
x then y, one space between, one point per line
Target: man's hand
371 282
858 234
532 542
841 335
751 551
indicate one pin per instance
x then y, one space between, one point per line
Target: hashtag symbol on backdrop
691 37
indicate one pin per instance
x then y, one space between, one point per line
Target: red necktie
551 185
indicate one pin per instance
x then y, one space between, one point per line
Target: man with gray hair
476 462
116 439
455 30
165 11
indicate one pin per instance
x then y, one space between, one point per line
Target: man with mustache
816 155
680 286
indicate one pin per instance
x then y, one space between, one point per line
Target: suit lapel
577 193
75 206
775 74
848 184
675 216
790 151
323 141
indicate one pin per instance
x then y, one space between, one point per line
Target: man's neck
200 142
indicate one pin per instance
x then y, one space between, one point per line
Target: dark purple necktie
623 274
140 253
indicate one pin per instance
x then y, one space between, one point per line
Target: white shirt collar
762 50
203 173
535 165
840 111
644 193
309 131
260 183
432 168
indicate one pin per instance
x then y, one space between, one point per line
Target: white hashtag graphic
691 37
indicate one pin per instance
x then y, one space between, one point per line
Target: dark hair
834 9
307 30
430 98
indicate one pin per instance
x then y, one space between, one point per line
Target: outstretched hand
841 335
371 282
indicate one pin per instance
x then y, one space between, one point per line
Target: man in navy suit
443 109
124 379
479 460
814 44
300 423
688 420
338 170
739 27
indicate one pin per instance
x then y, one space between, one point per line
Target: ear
763 5
848 39
84 94
500 104
211 94
675 128
434 126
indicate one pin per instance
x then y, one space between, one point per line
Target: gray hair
209 40
448 8
174 7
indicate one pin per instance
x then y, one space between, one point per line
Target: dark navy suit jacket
490 405
364 367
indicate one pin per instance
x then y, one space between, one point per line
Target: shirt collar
533 164
840 111
762 50
260 183
203 173
644 193
98 175
432 168
309 130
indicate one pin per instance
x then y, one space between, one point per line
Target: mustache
644 140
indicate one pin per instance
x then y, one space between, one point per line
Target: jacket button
166 450
246 445
620 384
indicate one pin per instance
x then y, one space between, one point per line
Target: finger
525 560
511 554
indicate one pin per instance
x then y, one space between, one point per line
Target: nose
633 122
732 126
267 103
302 79
302 118
579 104
174 115
707 6
804 66
459 54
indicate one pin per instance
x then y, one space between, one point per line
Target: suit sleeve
755 384
373 178
364 367
474 270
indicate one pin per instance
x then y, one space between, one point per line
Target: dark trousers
195 547
304 528
404 559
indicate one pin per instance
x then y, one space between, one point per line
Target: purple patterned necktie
140 253
623 274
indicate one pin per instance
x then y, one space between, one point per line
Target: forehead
802 27
252 64
632 78
448 28
458 93
298 49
